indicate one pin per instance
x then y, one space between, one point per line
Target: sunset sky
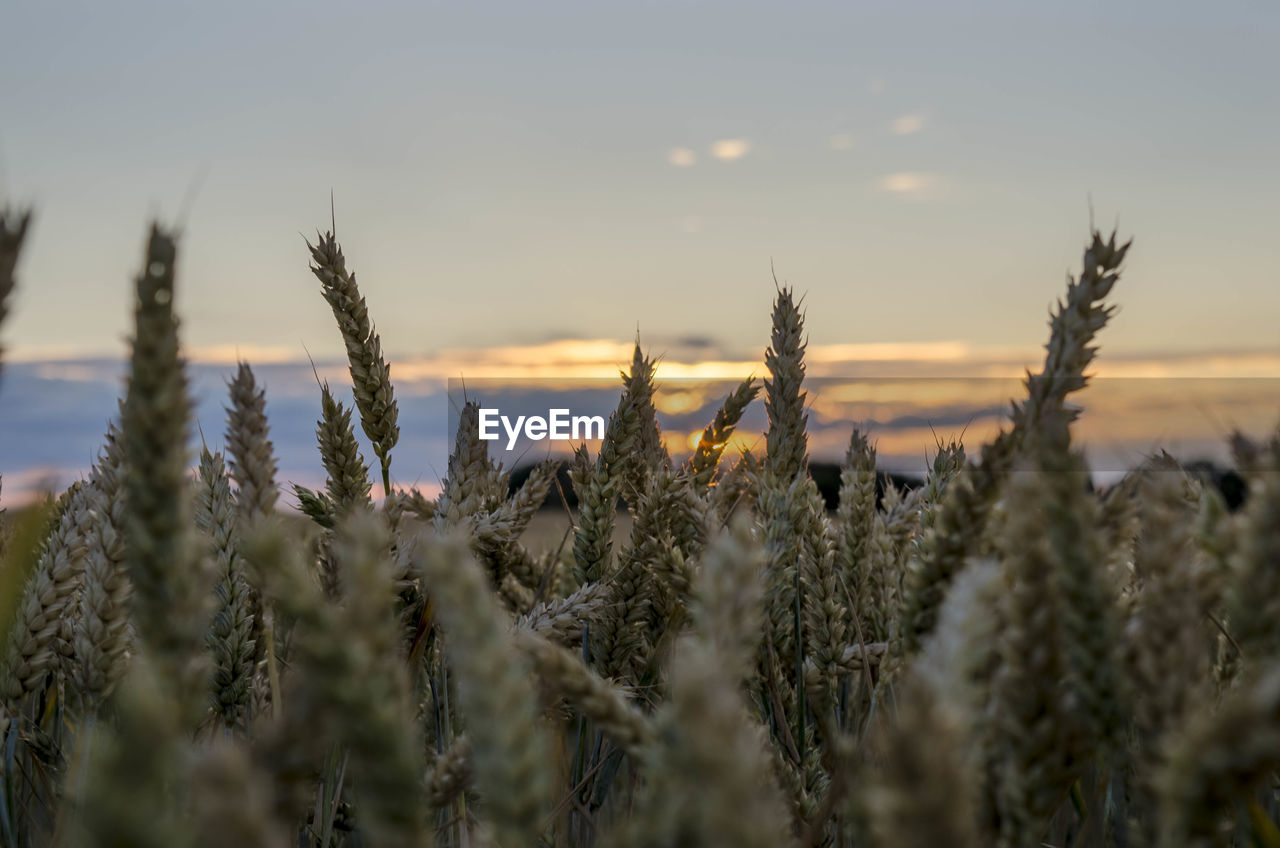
529 183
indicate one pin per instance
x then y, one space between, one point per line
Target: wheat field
709 657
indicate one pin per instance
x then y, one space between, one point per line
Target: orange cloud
906 183
681 157
730 149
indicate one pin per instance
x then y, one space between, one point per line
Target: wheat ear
450 773
1094 683
32 650
509 749
714 773
1253 595
562 620
728 607
921 792
231 634
705 459
1217 760
597 699
598 485
786 452
231 799
348 482
649 454
253 463
377 723
1167 641
352 686
1074 324
133 787
961 517
472 485
13 232
169 584
1031 725
370 373
102 637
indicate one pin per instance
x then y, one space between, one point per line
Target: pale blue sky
503 170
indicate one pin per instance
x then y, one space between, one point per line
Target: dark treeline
827 476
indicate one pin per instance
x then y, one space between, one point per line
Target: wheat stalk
370 373
169 582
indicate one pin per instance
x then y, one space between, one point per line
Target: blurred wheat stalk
1003 656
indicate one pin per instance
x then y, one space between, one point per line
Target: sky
508 176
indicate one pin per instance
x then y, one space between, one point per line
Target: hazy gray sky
522 172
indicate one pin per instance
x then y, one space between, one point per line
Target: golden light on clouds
910 396
903 396
907 396
681 157
232 354
603 358
580 359
707 370
565 359
729 149
1203 366
680 401
944 351
908 124
217 354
